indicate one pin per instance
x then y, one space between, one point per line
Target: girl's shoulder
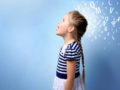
72 46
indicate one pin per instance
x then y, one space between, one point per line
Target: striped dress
69 52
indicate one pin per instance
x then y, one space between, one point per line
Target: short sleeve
71 54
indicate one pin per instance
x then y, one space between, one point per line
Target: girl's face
63 26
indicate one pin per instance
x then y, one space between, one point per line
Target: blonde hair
80 23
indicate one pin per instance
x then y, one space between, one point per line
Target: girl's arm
71 65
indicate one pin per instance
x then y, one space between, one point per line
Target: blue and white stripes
70 52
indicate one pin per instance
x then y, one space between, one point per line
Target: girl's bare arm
71 65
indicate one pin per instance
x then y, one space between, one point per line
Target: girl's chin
57 33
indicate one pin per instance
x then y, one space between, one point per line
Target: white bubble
111 9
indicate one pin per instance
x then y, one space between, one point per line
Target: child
71 28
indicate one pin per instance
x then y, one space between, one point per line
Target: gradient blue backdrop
29 45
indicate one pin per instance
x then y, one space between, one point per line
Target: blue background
29 45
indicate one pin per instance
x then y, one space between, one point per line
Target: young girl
71 28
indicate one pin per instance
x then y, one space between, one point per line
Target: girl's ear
71 29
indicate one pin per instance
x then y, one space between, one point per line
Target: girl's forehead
67 16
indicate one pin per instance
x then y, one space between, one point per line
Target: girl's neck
69 39
66 42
